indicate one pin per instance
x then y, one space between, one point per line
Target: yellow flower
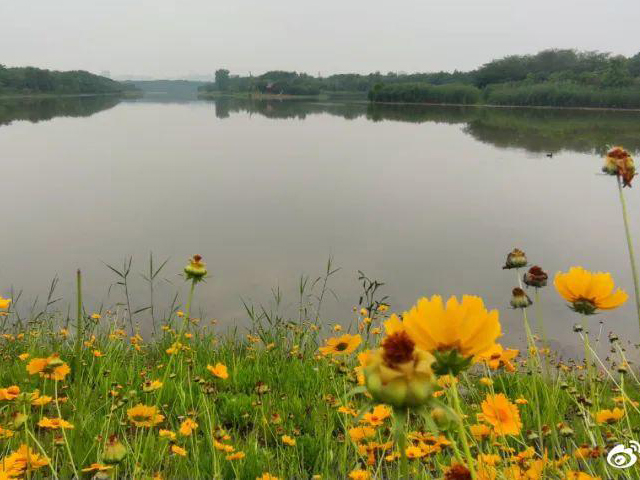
220 371
480 431
4 302
502 414
360 433
359 475
267 476
96 316
178 450
51 367
54 423
235 456
345 344
23 459
97 467
23 356
144 416
498 356
463 328
5 433
489 459
587 291
287 440
521 401
187 427
151 385
609 416
486 381
414 452
398 373
9 393
573 475
167 434
377 417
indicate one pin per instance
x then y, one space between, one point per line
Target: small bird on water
550 154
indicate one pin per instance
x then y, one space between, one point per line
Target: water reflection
536 130
41 109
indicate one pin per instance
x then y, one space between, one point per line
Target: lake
426 199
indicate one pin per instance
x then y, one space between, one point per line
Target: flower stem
400 417
632 259
461 430
79 330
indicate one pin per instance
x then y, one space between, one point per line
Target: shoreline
37 96
364 101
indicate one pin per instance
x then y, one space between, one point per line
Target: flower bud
519 299
566 431
536 277
398 373
196 270
441 417
515 259
114 451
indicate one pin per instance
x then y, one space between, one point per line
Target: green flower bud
399 374
196 270
114 451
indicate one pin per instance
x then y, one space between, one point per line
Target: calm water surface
426 199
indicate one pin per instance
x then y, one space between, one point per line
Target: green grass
275 372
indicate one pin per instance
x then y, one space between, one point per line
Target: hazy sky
175 38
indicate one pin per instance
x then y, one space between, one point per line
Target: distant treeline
564 78
31 80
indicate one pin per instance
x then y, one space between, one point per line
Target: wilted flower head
536 277
515 259
620 163
519 299
587 291
399 373
196 270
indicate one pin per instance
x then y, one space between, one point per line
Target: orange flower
54 423
587 291
235 456
502 414
178 450
187 427
377 417
9 393
51 367
220 370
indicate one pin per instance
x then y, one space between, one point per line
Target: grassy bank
198 402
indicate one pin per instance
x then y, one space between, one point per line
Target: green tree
222 79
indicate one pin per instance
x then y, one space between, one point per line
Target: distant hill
172 88
31 80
